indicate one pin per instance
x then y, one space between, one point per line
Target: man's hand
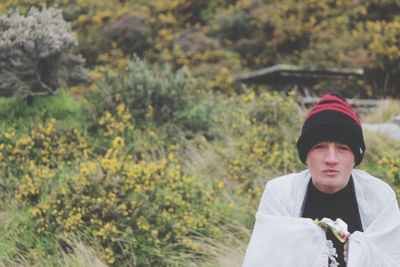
338 228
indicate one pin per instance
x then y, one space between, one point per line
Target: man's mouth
330 172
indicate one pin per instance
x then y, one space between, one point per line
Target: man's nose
331 156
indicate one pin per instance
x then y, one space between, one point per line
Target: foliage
316 33
213 35
381 50
18 239
34 53
391 173
131 34
17 113
47 144
167 166
258 140
153 94
136 211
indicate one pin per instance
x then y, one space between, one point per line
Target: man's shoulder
370 182
289 180
373 196
287 190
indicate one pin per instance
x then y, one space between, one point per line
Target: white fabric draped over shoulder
282 238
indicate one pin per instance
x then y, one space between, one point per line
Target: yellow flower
118 142
35 211
9 134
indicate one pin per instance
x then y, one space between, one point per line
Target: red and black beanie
332 119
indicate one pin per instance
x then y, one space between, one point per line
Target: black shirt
342 204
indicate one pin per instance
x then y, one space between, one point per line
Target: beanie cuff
336 132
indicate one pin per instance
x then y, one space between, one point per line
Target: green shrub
234 24
153 94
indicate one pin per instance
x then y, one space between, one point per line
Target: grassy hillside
120 186
159 159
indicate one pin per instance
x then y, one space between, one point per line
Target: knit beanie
332 119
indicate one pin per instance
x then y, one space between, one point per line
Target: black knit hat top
332 119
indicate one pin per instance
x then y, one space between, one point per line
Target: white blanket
282 238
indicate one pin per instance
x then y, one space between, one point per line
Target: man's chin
329 186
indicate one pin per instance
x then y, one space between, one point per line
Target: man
288 231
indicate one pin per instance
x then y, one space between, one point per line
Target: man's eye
319 146
343 147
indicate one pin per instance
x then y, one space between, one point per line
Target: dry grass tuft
384 112
231 251
82 256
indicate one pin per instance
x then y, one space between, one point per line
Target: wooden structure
303 79
291 74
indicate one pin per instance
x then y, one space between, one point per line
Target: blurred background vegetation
125 142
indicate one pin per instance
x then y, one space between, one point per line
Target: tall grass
231 251
19 245
82 256
386 110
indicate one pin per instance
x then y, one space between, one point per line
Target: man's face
330 165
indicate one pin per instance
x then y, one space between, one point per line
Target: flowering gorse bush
35 182
391 171
259 160
47 144
261 135
117 124
136 211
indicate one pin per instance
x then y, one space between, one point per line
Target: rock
390 129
